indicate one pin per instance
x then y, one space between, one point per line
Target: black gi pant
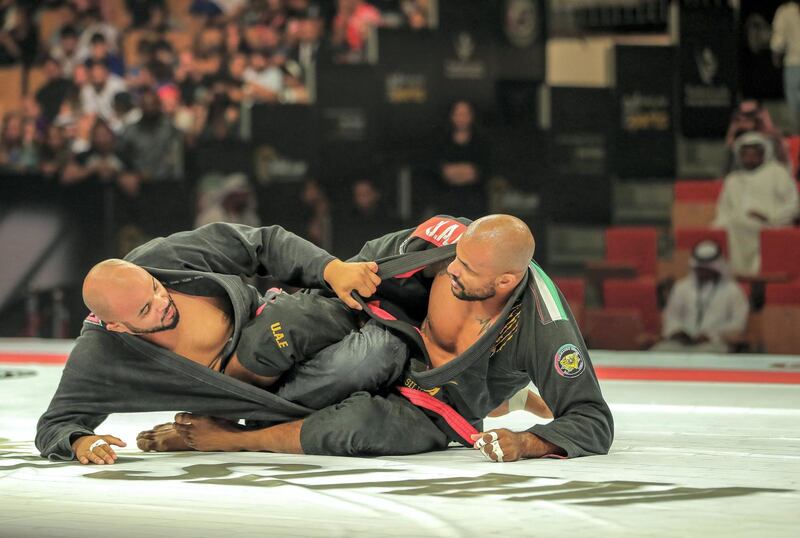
328 361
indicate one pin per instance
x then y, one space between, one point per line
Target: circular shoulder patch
568 361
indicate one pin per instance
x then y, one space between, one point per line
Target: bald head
508 238
106 282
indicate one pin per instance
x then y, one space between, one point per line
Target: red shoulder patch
440 231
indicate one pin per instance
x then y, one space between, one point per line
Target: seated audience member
66 52
218 10
272 13
707 310
417 13
366 215
162 62
305 37
151 148
18 36
54 91
759 193
99 51
234 41
126 113
189 78
54 152
315 211
750 117
150 14
97 161
233 201
92 22
97 94
220 120
231 79
17 143
263 79
351 26
181 116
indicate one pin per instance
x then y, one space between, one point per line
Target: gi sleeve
558 364
74 411
236 249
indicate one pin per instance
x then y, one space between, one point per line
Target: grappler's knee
370 359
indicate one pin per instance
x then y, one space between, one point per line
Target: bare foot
209 434
162 438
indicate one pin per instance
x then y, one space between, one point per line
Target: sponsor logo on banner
464 66
521 24
346 124
710 93
568 361
707 65
272 167
645 112
406 88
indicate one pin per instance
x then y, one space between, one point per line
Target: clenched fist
344 277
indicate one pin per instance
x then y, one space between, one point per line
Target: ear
117 327
507 281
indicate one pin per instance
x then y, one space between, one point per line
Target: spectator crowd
124 93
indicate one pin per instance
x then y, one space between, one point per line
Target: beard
460 292
164 326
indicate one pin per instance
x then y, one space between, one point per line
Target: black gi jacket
535 339
109 372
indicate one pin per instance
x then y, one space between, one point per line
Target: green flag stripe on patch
552 292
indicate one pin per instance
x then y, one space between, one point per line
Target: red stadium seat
613 328
574 291
793 143
780 252
698 190
637 247
695 203
639 294
779 334
783 293
687 238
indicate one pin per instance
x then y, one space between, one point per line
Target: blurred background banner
754 30
645 138
707 67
